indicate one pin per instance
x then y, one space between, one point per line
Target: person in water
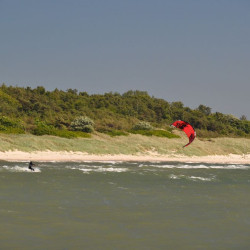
31 164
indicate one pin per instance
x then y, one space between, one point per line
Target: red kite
187 128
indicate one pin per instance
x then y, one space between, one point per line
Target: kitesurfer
31 164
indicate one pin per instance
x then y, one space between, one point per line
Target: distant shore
65 156
101 147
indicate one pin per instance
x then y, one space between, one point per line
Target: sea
124 205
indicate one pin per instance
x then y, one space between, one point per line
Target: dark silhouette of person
31 164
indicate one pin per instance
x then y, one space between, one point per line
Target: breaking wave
201 166
132 167
20 169
90 168
101 169
192 178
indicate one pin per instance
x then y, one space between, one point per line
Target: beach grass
131 144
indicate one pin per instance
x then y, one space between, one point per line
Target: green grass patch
116 133
61 133
113 132
159 133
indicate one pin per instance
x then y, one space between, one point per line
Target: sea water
124 205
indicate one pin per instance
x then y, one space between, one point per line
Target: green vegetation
11 126
82 123
42 128
143 126
133 144
116 133
159 133
71 114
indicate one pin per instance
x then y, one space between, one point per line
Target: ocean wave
175 177
193 178
81 166
106 162
177 166
102 169
88 166
21 169
230 167
201 166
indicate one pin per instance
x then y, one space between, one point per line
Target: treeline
27 109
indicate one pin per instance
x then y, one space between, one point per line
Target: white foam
163 166
102 169
124 188
202 166
82 166
111 162
180 166
194 178
108 162
118 170
73 168
192 167
21 169
89 166
200 178
175 177
231 167
86 171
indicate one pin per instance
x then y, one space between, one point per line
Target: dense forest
37 111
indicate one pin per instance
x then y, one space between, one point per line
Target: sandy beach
65 156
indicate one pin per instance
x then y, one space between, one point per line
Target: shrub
82 123
143 126
116 133
43 129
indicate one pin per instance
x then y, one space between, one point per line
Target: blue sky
194 51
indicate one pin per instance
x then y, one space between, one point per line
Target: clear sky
194 51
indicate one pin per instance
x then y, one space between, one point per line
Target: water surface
122 205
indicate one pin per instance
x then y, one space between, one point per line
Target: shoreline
70 156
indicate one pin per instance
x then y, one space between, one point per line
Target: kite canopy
187 128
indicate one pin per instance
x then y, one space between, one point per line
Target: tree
243 118
40 90
204 109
